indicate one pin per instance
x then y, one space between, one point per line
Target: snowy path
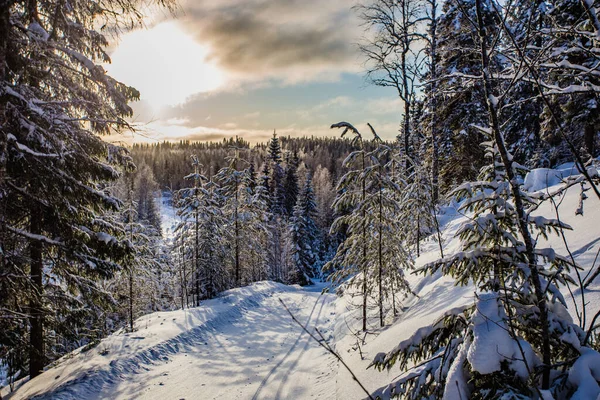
242 346
260 356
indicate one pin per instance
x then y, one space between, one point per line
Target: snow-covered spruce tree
213 244
265 183
517 340
54 99
367 197
383 209
231 187
188 230
290 186
277 255
305 234
245 213
256 233
277 181
350 260
418 212
179 254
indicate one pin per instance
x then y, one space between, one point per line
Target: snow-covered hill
244 345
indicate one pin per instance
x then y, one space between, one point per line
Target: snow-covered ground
244 345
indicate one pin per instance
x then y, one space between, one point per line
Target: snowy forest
490 192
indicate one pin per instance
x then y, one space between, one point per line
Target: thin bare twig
323 343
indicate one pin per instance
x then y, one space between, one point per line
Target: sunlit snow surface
244 345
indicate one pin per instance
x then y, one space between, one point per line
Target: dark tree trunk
4 36
131 191
238 278
435 166
197 233
36 335
131 301
197 256
589 139
406 133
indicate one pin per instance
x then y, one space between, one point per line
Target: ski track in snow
252 349
276 371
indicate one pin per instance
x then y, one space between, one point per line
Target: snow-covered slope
437 294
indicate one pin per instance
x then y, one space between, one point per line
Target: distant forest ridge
170 161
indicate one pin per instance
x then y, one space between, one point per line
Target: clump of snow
105 237
456 384
541 178
492 343
570 336
585 375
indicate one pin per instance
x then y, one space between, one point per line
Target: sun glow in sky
226 68
165 64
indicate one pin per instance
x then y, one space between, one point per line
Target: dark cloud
262 37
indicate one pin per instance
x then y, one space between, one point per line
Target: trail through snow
242 345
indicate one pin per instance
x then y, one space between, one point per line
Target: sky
223 68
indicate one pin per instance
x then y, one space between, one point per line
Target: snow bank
542 178
585 375
121 355
157 337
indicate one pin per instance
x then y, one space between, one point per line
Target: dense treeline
170 162
264 215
